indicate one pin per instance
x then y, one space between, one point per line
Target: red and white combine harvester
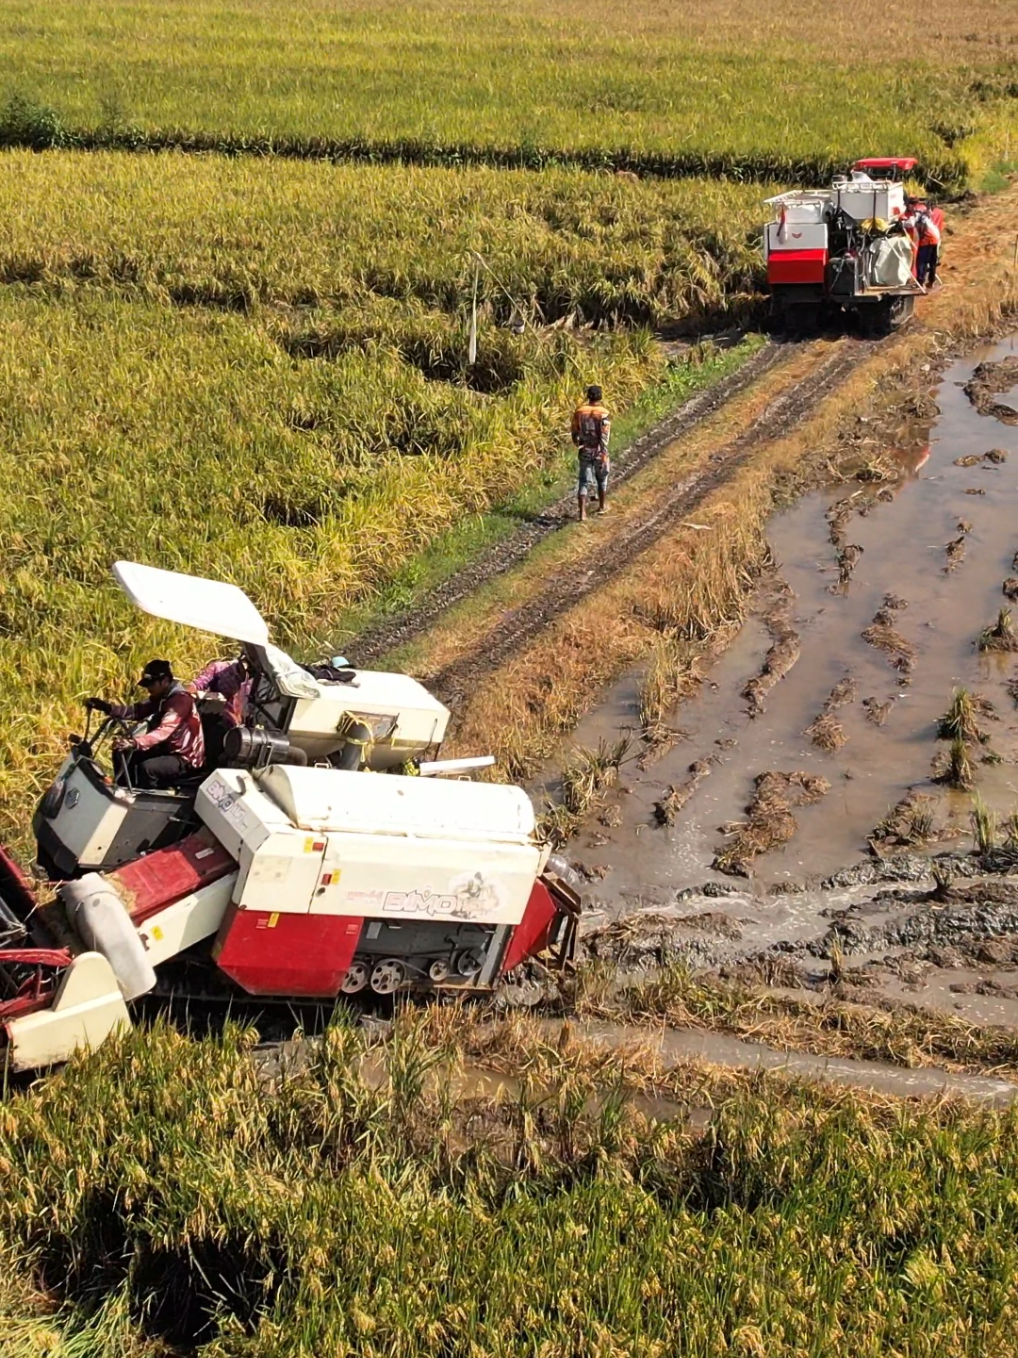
844 247
325 854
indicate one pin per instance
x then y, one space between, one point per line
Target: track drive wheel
356 978
902 311
388 976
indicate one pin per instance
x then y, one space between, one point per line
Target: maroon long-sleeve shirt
173 721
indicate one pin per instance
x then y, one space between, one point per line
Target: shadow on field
179 1296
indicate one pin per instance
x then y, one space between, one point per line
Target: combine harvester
844 248
307 864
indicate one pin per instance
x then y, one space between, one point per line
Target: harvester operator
591 430
172 747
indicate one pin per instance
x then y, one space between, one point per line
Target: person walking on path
591 430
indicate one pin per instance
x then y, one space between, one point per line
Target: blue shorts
593 473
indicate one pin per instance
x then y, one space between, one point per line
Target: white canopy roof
210 605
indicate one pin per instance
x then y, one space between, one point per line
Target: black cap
154 671
594 393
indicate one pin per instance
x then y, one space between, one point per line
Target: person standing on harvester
591 431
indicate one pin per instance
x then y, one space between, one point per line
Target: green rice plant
999 636
278 1214
957 771
589 774
960 720
336 256
984 826
668 675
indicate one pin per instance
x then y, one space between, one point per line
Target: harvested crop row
770 822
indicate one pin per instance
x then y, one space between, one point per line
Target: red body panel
151 883
305 956
533 931
796 266
15 887
903 163
38 990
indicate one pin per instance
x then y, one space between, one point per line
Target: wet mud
885 600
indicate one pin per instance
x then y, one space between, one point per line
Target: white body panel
99 915
803 205
405 717
88 1008
186 921
87 822
862 199
279 864
209 605
795 236
325 841
430 879
331 799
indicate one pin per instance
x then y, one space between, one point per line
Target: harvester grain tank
844 247
327 852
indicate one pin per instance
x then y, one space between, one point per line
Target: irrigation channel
759 842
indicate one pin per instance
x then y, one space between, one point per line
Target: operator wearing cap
173 746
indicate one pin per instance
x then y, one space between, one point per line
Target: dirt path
408 625
568 587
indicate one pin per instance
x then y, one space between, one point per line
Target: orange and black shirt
591 430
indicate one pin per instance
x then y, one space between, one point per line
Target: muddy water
670 1047
673 1046
903 529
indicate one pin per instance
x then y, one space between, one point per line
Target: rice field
157 1202
254 366
257 370
722 86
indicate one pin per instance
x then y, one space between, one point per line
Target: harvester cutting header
850 246
287 867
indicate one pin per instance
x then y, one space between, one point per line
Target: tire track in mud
408 625
517 627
